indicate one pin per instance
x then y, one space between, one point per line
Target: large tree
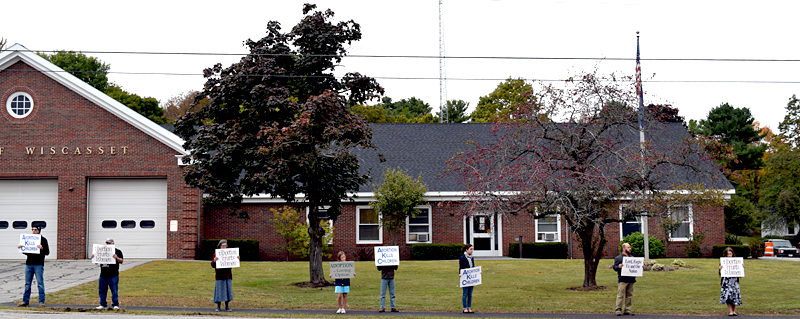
277 122
790 126
456 112
504 100
411 110
396 199
583 164
735 127
780 191
179 105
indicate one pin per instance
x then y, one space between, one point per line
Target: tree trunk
592 251
315 235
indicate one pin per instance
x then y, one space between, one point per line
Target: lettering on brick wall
73 150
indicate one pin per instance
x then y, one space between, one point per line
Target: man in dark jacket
625 283
387 281
109 279
34 265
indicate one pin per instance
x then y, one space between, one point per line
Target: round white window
19 104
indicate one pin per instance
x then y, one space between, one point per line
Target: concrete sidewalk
58 275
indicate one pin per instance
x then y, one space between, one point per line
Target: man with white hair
109 278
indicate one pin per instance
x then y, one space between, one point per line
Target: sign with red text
227 258
103 254
731 267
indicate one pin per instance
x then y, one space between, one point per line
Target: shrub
756 250
636 240
731 239
738 250
678 263
539 250
436 251
694 248
248 248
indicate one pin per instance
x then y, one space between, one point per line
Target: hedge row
248 248
539 250
738 250
436 251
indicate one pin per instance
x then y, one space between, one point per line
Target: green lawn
508 286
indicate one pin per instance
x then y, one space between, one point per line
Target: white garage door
24 203
133 212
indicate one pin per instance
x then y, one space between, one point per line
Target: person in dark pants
464 262
624 285
34 265
387 282
109 279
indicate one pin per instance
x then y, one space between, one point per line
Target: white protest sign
731 267
632 266
103 254
343 269
29 243
227 258
387 256
470 277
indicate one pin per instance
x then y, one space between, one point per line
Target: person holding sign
624 283
34 265
730 293
223 286
109 274
464 262
387 282
342 286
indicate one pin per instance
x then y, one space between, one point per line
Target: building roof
18 53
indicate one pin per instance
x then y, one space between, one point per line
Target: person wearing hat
34 266
223 286
109 279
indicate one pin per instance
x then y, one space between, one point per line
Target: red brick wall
62 118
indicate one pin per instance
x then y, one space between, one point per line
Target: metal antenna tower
443 116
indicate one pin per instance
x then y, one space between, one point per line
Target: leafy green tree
780 190
147 106
504 100
179 105
285 129
790 126
397 198
735 127
740 215
412 110
456 111
89 69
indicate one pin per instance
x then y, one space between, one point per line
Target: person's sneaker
217 310
22 304
100 307
116 308
618 313
227 309
395 310
339 310
382 310
343 311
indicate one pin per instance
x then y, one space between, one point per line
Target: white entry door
133 212
483 232
25 203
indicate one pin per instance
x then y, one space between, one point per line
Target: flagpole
640 92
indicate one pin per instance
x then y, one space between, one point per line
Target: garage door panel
28 201
120 201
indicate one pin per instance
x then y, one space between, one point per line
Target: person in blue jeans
387 281
109 279
34 265
464 262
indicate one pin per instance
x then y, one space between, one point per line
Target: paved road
58 275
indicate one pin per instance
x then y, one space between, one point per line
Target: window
19 105
633 224
547 228
20 224
128 224
147 224
368 230
3 224
109 224
39 223
682 217
418 228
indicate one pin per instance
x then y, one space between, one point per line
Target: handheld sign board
103 254
470 277
343 269
387 256
227 258
731 267
632 266
29 243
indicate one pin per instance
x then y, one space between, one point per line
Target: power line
430 56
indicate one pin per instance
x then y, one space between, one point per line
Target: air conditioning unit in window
422 237
412 237
550 237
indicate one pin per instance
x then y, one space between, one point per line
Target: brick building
86 167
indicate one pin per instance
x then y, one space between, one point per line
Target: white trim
358 231
430 226
558 230
18 53
642 220
691 225
12 97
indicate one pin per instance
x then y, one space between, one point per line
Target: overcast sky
502 28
